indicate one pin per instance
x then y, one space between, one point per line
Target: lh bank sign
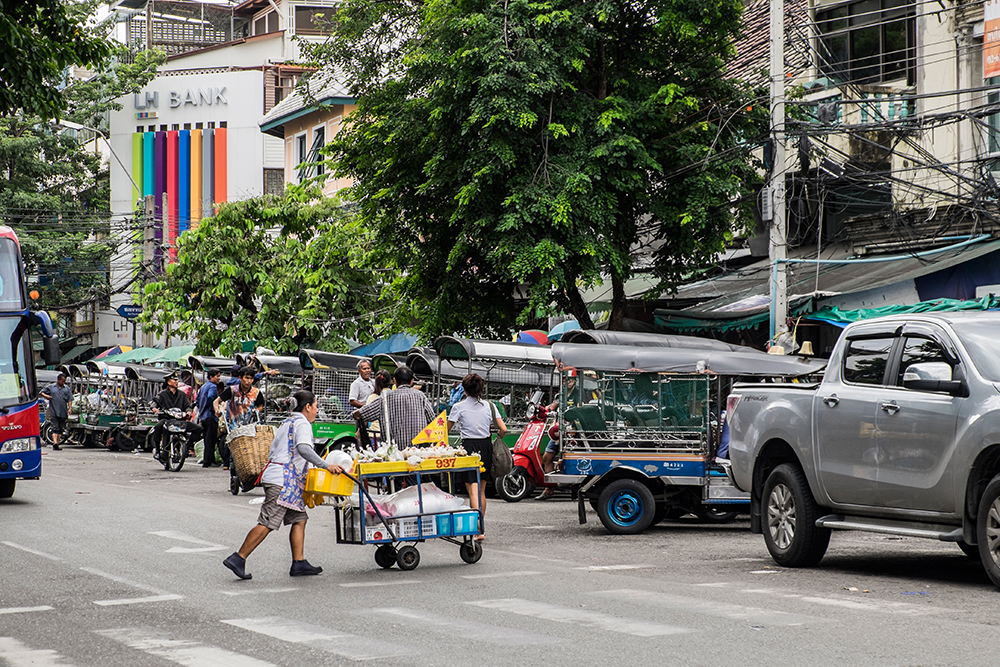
196 97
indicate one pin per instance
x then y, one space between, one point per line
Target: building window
871 41
301 154
319 140
272 22
274 181
313 20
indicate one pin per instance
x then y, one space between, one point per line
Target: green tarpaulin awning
842 318
77 351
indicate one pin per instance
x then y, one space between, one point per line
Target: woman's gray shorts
272 515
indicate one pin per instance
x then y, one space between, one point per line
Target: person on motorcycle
172 397
242 401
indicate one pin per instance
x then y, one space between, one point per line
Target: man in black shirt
171 397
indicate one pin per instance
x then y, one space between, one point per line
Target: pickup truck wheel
988 530
790 514
626 507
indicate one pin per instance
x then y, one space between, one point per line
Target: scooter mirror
536 398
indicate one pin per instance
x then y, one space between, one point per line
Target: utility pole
777 250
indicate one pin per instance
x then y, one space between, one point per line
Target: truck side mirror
932 376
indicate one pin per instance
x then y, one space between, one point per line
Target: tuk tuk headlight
18 445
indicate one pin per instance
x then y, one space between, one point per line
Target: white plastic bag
407 501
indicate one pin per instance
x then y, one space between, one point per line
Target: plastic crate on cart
326 483
459 523
406 526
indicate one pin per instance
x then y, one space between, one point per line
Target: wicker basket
250 447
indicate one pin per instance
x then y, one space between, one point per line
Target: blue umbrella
558 330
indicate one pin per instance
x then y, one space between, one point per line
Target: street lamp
68 124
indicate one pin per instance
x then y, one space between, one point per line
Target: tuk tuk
278 388
143 383
640 426
329 375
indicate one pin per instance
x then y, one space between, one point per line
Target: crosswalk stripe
324 639
501 575
683 603
151 598
376 584
586 618
24 610
463 628
16 654
182 651
261 591
878 606
30 550
127 582
598 568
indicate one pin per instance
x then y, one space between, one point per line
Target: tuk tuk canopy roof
452 347
682 360
284 365
310 359
202 363
150 373
639 339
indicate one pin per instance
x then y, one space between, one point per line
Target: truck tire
7 487
626 507
988 530
790 513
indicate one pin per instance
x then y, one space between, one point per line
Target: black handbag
503 461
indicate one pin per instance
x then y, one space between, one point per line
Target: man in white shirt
363 385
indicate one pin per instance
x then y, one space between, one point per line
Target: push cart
396 536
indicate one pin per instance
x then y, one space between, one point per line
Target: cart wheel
407 558
471 552
234 485
385 556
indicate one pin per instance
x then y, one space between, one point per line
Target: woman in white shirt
474 416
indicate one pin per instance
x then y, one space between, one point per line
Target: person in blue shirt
210 421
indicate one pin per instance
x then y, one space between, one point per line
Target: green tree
40 38
279 270
55 191
539 146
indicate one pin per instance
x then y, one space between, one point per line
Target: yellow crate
427 465
326 483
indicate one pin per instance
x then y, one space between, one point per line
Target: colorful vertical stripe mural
184 169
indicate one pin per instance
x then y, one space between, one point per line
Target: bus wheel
7 487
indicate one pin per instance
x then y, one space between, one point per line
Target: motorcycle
174 444
527 473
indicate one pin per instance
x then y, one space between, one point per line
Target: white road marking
683 603
764 571
151 598
16 654
323 639
590 619
520 554
31 551
717 584
182 651
24 610
184 537
539 527
501 575
261 591
374 584
879 606
596 568
462 628
127 582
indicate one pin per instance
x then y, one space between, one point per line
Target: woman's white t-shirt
473 417
274 474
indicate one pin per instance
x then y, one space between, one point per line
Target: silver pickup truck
901 436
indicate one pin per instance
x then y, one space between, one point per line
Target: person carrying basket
284 479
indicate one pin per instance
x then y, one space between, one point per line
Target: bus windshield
16 380
11 288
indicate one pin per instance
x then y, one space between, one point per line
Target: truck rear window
865 360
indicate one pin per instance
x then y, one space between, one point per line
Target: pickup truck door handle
891 407
831 401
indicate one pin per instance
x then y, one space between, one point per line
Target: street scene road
110 560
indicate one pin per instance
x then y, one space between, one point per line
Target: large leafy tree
283 271
55 189
40 38
539 147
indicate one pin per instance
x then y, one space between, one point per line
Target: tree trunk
579 308
618 304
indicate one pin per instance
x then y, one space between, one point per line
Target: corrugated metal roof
321 87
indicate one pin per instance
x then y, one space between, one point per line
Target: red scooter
527 472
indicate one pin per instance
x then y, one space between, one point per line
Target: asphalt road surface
109 560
